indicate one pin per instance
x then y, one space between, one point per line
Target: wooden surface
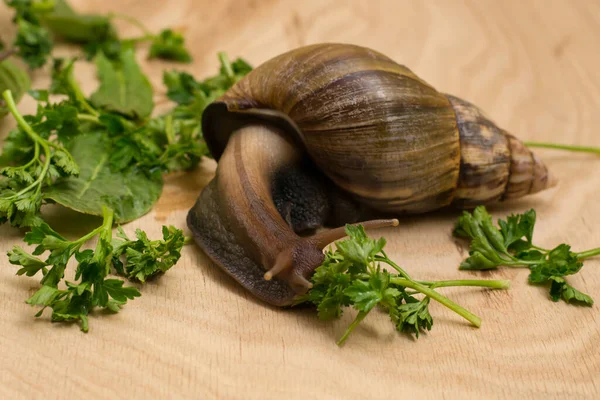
532 65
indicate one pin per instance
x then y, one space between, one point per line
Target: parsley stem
587 254
583 149
36 155
89 118
169 129
392 264
80 97
224 59
359 317
492 284
518 263
132 21
463 312
140 39
10 103
539 248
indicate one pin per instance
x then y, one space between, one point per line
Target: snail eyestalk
5 54
324 238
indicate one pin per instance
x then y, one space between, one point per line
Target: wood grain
533 66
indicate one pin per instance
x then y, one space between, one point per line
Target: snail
331 134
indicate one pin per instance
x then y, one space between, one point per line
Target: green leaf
130 194
518 226
169 45
366 295
570 294
146 258
123 87
181 87
359 249
31 265
33 44
114 287
492 233
14 79
412 316
45 296
71 26
30 10
363 296
561 262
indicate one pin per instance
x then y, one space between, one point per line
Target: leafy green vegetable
14 79
41 161
94 289
512 246
131 193
169 45
183 89
37 20
33 44
351 276
123 87
147 258
30 10
71 26
84 158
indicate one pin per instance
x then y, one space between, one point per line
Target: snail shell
381 137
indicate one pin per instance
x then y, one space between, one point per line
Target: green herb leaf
412 316
513 246
518 226
31 265
359 249
169 45
148 258
123 87
71 26
130 193
33 44
351 276
14 79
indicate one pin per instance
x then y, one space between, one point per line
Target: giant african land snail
332 134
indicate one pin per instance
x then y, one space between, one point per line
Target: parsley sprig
39 22
512 246
352 276
21 192
92 288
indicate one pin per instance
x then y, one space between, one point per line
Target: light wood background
532 65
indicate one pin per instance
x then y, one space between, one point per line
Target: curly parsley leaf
169 45
351 276
147 258
32 168
74 27
412 316
512 246
92 287
33 44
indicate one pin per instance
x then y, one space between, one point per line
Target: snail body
332 134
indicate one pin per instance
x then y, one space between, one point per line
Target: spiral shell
378 131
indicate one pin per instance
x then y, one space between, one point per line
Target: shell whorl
495 165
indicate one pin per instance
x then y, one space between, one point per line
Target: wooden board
533 66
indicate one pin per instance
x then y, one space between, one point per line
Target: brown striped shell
378 131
